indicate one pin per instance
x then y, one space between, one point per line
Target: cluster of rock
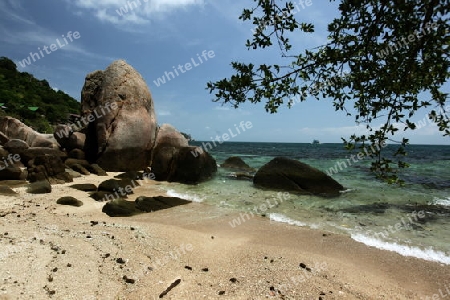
285 174
127 138
118 205
118 132
29 155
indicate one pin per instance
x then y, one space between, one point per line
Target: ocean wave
443 202
193 198
426 254
346 191
276 217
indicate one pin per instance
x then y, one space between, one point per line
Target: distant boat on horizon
315 142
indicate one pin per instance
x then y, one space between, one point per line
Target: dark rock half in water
149 204
123 208
189 165
291 175
235 162
240 176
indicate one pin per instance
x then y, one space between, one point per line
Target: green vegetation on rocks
31 100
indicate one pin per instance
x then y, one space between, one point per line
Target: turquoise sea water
413 219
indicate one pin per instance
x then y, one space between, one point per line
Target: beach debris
303 266
221 292
234 280
189 268
205 269
49 291
174 284
272 291
128 280
93 223
120 260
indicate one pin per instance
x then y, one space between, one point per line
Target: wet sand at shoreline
61 252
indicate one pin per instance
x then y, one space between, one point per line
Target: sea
412 219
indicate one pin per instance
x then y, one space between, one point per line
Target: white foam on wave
193 198
443 202
426 254
276 217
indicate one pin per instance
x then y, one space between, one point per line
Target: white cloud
38 37
120 12
34 37
13 11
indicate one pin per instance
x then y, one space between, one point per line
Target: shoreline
57 251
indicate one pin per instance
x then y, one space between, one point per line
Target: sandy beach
189 252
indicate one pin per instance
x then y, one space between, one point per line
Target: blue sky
159 34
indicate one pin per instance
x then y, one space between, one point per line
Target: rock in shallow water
123 208
189 165
293 176
235 162
149 204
